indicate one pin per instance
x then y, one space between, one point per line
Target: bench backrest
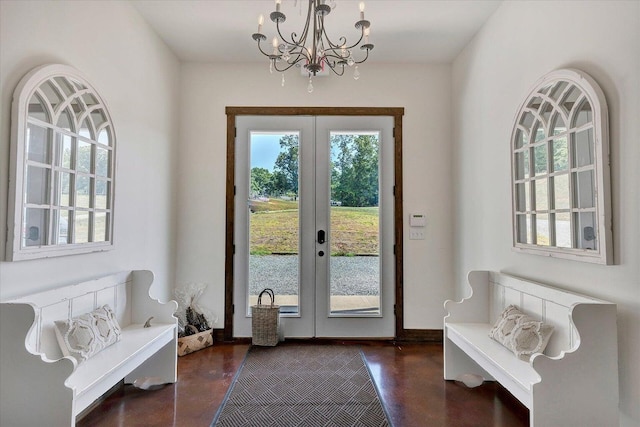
551 305
73 300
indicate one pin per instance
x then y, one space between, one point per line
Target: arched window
560 170
62 166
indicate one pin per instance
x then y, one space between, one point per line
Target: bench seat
135 346
497 360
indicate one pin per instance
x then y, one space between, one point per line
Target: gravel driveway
357 275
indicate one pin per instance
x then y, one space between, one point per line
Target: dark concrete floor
408 376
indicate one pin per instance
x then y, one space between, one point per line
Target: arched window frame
62 167
550 188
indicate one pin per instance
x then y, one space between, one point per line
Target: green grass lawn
274 229
273 205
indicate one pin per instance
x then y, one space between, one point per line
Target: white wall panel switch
416 233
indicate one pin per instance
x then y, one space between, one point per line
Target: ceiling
403 31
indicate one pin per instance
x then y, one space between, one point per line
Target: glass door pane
354 265
274 230
274 218
354 224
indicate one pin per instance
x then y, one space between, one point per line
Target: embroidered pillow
520 333
83 336
505 324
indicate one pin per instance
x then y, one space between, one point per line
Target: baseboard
408 335
218 334
421 335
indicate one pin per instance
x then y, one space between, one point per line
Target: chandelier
313 49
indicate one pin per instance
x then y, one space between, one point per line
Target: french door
314 222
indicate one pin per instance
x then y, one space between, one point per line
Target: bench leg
162 365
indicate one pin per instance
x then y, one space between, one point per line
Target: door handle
321 236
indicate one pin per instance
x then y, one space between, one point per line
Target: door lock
321 236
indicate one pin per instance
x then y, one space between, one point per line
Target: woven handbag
264 321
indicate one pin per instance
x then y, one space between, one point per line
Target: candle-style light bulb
278 3
260 22
362 11
366 35
274 43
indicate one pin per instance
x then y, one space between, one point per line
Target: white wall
424 92
490 79
137 76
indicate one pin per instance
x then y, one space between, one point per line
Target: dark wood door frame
396 113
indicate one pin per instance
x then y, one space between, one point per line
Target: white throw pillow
520 333
505 324
83 336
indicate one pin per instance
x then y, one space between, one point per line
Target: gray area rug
302 385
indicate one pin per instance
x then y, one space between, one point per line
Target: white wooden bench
575 381
40 387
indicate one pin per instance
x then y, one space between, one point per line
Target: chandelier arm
331 44
297 51
262 51
365 58
340 60
303 37
335 58
333 66
296 58
342 39
333 63
326 36
292 40
282 36
282 70
334 53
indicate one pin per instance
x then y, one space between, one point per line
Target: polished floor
408 376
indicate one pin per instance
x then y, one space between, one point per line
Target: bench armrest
145 306
586 376
20 369
474 307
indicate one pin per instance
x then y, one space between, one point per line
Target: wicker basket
264 321
195 342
